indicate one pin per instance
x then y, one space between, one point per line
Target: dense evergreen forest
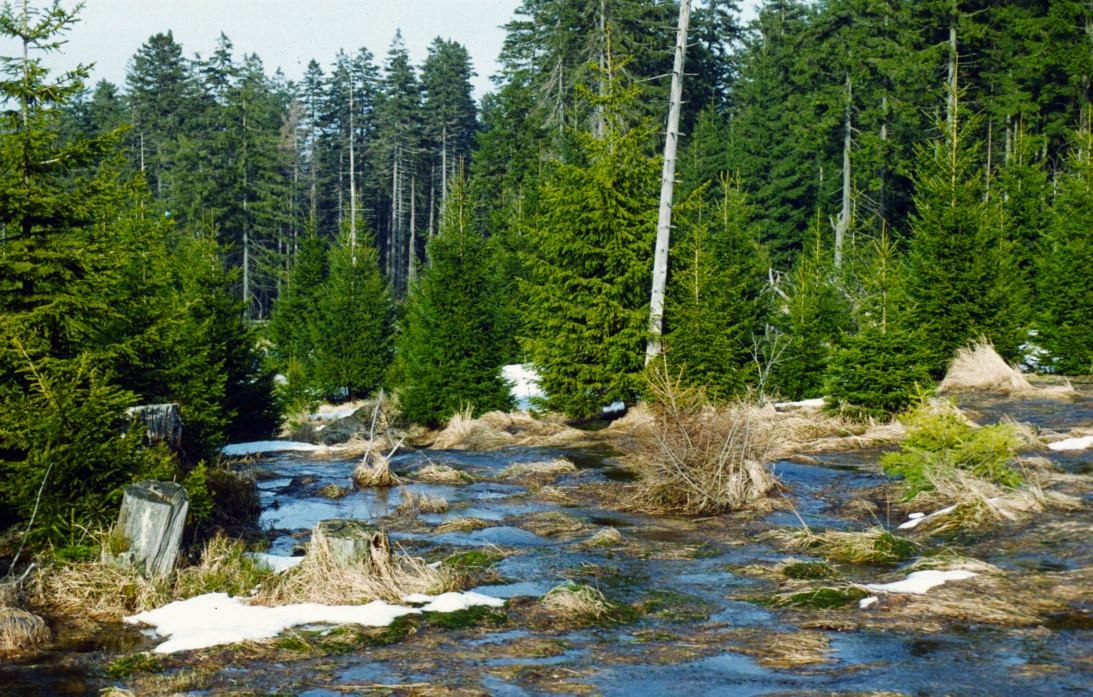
863 186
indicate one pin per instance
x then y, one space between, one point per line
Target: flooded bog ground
694 606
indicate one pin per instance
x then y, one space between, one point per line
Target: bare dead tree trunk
843 223
667 183
411 260
352 182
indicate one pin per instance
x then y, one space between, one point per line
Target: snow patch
916 518
329 412
217 618
259 447
452 602
525 384
1082 443
614 408
815 403
868 602
920 582
274 562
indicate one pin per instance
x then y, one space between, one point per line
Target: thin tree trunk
411 260
352 183
667 182
843 223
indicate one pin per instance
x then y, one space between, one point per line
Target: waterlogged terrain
710 606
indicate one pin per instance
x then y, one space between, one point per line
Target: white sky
284 33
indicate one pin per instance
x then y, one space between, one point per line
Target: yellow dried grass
321 578
978 368
442 474
374 470
21 630
414 502
538 471
576 603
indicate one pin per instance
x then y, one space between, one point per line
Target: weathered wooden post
150 527
162 423
353 542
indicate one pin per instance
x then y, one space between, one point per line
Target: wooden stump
354 542
162 423
149 528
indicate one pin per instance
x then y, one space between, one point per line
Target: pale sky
284 33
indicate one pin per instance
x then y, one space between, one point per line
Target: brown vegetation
978 367
442 474
374 470
323 578
537 471
21 630
495 430
414 502
695 458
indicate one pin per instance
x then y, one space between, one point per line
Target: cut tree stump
354 542
162 423
149 527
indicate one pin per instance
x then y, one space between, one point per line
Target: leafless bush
696 458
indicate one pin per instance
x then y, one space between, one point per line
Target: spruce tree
1066 326
354 322
589 269
878 370
450 350
960 268
715 301
812 314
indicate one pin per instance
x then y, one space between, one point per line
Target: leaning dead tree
667 184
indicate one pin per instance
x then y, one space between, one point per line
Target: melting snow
525 383
452 602
216 618
815 403
1073 443
916 518
868 602
268 446
276 563
921 581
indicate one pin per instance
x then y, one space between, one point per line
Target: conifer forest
657 206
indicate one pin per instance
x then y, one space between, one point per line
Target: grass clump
577 604
537 471
941 445
474 616
323 577
21 630
822 598
809 571
414 502
978 367
374 470
128 666
473 561
442 474
225 567
873 546
695 458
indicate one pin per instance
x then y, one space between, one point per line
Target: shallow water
684 574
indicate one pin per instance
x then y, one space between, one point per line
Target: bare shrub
694 458
322 577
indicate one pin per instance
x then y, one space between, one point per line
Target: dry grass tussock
442 474
873 546
94 590
552 524
576 603
462 525
496 429
538 471
414 502
21 630
321 578
374 470
783 649
978 367
607 537
975 502
694 458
